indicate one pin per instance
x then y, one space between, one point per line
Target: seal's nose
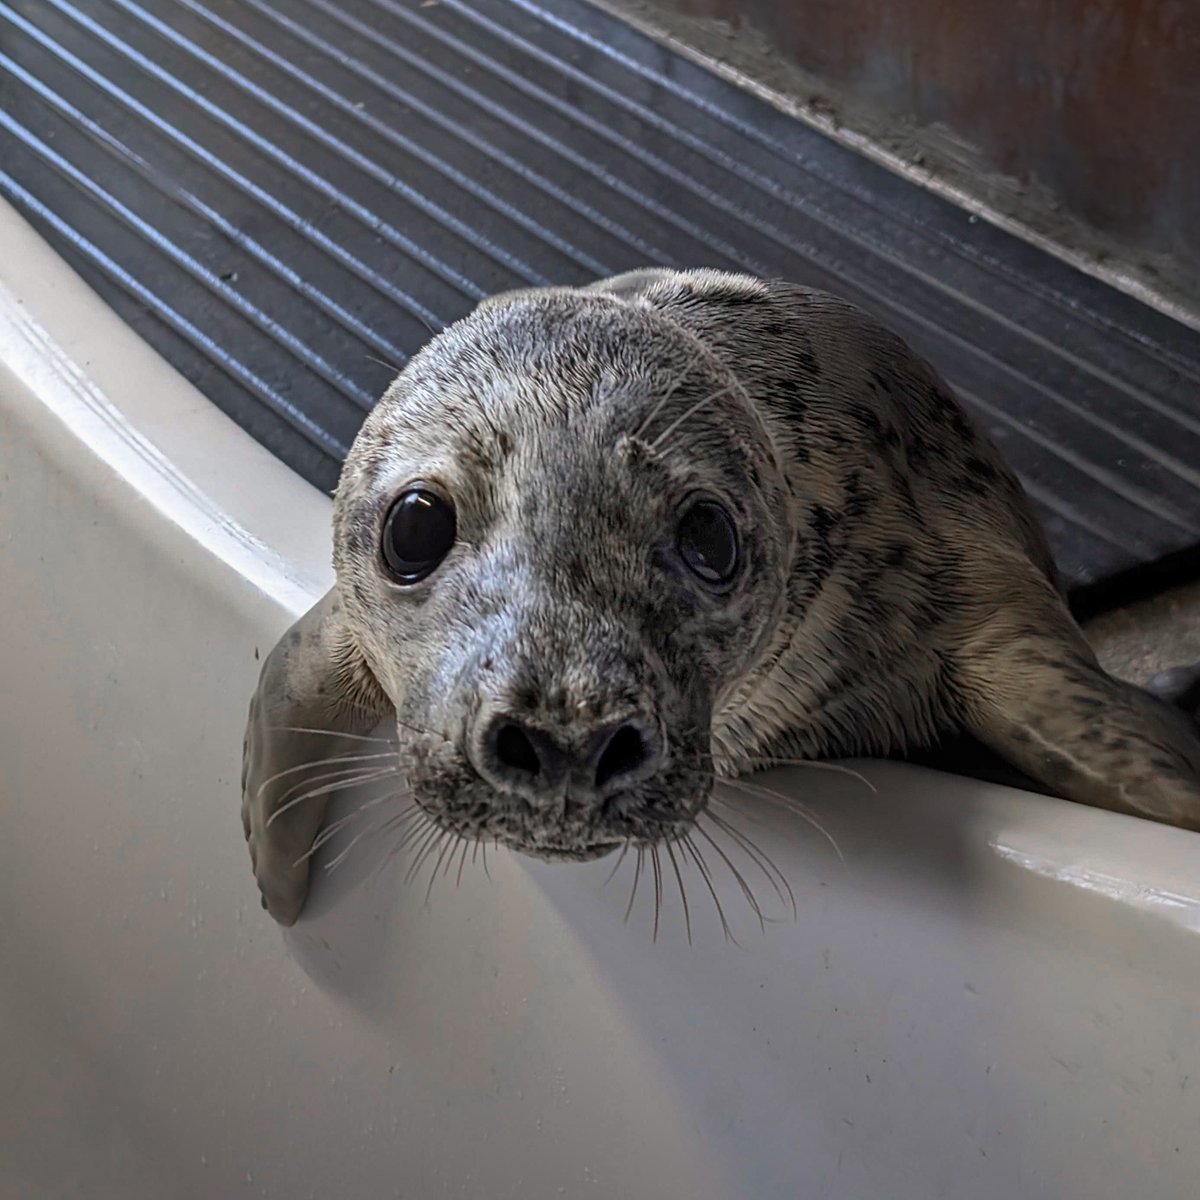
525 757
545 766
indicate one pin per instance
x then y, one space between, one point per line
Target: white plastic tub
997 995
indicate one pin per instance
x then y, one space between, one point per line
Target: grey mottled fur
896 584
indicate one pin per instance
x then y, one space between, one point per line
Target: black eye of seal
707 542
418 532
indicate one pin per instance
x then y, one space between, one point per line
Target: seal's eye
417 534
707 542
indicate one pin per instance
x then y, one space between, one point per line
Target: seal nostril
625 752
515 750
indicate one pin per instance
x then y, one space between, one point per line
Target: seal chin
551 853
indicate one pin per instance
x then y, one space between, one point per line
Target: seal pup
596 547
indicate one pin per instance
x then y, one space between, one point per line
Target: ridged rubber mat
286 196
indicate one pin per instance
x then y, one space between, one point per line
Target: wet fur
897 586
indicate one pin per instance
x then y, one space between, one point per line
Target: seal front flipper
314 679
1039 698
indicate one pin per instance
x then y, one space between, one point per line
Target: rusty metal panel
1094 102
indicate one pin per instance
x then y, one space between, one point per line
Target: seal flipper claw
309 681
1041 700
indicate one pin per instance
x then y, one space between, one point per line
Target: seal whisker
383 362
431 834
342 854
742 883
321 762
616 866
420 824
462 861
656 865
335 827
329 788
351 737
691 412
423 731
396 819
775 761
347 774
693 850
334 863
687 915
436 846
637 874
663 401
428 848
458 837
407 816
762 860
360 737
448 845
790 803
340 773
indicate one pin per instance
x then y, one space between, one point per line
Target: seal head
594 573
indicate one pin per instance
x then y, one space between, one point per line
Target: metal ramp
286 196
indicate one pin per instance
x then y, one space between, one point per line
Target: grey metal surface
286 196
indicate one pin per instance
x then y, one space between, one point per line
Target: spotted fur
895 585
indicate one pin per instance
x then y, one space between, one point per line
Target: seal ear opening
1041 700
307 717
